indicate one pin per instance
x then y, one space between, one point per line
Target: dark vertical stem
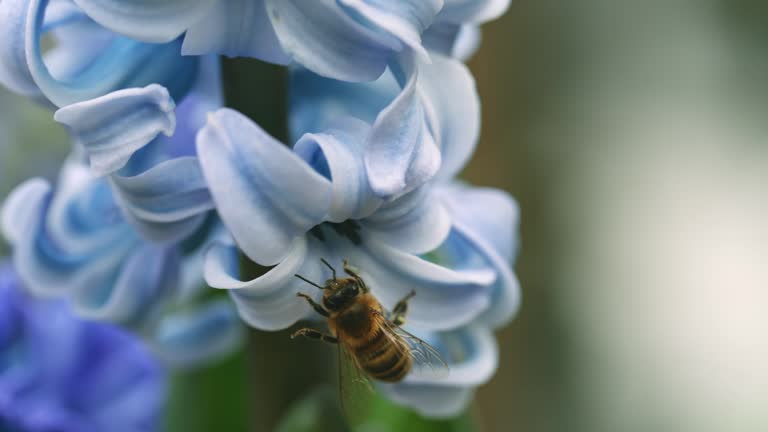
281 370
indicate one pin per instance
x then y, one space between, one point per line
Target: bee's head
340 293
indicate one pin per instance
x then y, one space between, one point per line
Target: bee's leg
319 309
314 334
348 269
400 309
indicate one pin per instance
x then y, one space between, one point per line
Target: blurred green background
633 134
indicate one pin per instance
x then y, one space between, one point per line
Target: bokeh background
634 135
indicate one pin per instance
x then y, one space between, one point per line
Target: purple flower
60 374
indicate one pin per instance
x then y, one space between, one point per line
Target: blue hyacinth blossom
144 143
73 242
350 40
58 373
426 127
288 208
126 245
86 61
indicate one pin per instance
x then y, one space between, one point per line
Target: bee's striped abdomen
384 357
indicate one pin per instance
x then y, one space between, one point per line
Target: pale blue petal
337 154
198 336
166 202
316 102
485 237
431 401
82 218
136 290
321 36
402 153
491 213
14 72
114 126
70 246
467 42
123 63
43 261
192 113
23 204
235 28
465 251
268 302
453 40
445 298
267 196
452 105
168 192
146 20
472 11
416 222
472 357
404 19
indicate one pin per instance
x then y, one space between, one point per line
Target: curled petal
198 336
62 250
463 251
453 109
268 302
317 102
24 204
484 236
445 298
337 154
492 214
453 40
146 20
405 19
168 201
121 63
267 196
235 28
14 72
136 290
402 153
192 112
431 401
114 126
321 36
45 264
416 222
472 357
472 11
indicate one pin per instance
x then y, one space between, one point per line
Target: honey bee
373 339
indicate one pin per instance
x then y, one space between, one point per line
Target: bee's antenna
329 266
309 281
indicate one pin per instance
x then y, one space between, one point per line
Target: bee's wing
426 359
354 385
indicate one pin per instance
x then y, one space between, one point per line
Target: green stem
280 370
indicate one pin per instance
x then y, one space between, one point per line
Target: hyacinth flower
483 235
127 245
351 40
58 373
286 208
86 60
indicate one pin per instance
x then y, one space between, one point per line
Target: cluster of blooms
58 373
165 183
